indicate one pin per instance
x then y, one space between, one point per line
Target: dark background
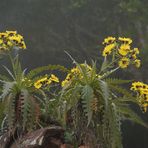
51 27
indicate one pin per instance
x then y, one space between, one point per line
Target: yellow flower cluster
124 49
124 62
125 40
110 43
108 49
121 48
45 81
142 90
109 40
10 39
74 72
66 81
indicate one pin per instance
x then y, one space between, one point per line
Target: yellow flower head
18 41
11 33
142 90
133 53
133 56
124 62
3 35
9 39
15 39
124 49
108 49
75 70
22 45
53 78
109 40
125 40
68 77
136 51
137 63
9 43
38 84
48 81
144 106
64 83
136 86
1 41
67 80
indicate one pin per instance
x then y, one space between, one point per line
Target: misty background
51 27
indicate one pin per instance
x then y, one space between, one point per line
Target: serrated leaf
25 106
105 92
41 69
4 78
115 81
104 65
10 73
87 96
131 115
10 111
7 87
126 94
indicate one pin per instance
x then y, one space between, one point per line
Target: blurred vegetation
78 26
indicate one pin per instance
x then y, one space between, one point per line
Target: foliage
79 30
89 103
20 90
21 107
24 95
93 100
